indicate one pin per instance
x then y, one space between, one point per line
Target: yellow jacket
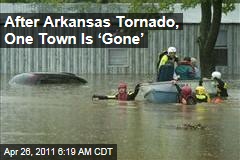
163 61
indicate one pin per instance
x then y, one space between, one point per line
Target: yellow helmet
201 90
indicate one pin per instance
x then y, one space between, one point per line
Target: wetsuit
222 88
130 95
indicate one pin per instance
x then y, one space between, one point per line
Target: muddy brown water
66 114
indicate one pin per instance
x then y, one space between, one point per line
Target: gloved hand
173 81
138 85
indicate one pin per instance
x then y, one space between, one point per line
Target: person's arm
208 98
132 95
178 88
220 83
103 97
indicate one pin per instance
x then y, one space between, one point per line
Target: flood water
66 114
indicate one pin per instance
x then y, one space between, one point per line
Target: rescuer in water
222 93
185 94
221 85
122 94
201 93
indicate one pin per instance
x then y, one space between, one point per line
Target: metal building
122 60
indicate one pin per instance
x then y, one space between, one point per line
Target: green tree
211 11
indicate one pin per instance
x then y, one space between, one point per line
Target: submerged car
36 78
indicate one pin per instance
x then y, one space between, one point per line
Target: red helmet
186 91
122 85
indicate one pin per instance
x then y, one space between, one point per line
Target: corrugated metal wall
95 60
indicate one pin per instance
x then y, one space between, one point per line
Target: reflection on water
66 114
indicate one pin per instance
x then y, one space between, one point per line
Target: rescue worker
185 94
165 65
201 93
122 94
221 85
185 70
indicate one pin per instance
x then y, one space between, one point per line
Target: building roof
193 15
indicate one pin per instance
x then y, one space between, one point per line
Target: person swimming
122 94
